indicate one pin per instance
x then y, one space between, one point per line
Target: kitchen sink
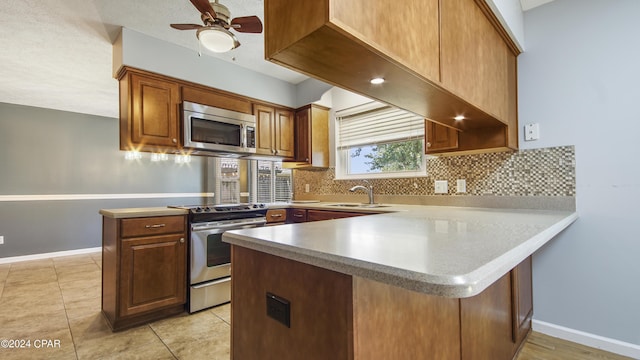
360 205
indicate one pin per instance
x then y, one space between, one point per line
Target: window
378 141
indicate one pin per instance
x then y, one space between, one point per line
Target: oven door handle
211 283
223 227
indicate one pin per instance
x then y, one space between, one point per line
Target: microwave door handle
243 136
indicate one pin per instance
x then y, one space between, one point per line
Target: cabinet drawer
297 215
152 226
276 215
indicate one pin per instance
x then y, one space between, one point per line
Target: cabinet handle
182 240
276 215
155 226
297 215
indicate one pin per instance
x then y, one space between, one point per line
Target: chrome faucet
369 190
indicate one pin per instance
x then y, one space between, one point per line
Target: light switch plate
1 240
306 188
532 132
441 187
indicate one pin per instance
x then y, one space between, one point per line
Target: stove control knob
207 209
198 209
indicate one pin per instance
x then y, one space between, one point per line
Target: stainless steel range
210 258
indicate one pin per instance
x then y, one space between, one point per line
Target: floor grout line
162 341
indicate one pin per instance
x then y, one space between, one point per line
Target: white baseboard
13 259
587 339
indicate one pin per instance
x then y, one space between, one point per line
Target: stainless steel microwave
227 132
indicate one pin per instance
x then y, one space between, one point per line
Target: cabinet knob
306 159
182 240
175 141
428 144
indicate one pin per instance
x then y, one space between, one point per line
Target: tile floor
55 304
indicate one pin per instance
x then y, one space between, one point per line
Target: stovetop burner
212 208
212 212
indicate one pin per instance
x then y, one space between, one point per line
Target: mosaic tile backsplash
535 172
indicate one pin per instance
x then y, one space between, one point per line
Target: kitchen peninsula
416 282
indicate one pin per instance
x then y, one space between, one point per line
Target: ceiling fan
215 34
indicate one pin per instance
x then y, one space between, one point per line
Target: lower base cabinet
144 272
330 315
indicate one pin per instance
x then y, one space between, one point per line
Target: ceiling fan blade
186 26
247 24
204 7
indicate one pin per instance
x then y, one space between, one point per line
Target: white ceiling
57 53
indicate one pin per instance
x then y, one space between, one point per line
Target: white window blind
273 183
375 123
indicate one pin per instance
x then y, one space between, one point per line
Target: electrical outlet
461 186
441 187
306 187
1 240
532 132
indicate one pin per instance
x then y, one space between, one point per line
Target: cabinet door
522 294
303 131
284 133
154 118
264 129
439 137
152 273
474 58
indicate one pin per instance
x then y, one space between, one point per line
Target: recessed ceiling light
459 117
376 81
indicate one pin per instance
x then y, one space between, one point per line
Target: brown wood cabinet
424 62
319 215
338 316
215 98
149 113
144 274
296 215
312 136
522 295
439 137
276 216
274 128
151 118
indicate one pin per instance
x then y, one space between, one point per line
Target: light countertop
439 250
141 212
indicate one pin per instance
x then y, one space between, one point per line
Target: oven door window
215 132
218 252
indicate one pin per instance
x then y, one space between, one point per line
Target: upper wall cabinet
416 46
149 115
274 128
312 136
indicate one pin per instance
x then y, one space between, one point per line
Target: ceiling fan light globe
217 39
